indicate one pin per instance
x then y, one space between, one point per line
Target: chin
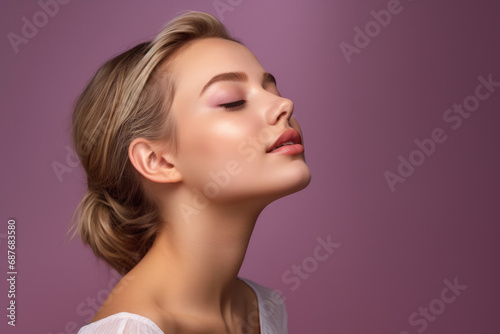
288 182
299 179
264 188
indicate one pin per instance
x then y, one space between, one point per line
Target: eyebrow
237 77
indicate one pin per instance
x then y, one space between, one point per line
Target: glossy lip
288 135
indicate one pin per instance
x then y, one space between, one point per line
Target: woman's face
229 114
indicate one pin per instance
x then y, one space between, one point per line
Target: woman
185 140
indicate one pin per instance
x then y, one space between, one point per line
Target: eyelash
234 105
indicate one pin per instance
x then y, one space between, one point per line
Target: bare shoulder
129 296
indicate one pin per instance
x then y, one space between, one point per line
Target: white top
272 316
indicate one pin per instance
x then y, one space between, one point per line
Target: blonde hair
129 97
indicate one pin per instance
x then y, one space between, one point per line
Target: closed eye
234 105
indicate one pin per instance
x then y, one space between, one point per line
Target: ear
153 161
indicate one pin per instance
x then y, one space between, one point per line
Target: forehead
202 59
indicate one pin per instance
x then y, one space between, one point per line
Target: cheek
222 137
208 145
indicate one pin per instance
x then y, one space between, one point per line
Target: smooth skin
187 282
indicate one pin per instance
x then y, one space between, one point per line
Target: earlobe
153 162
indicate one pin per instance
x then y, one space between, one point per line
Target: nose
281 111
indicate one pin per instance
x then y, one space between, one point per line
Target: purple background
397 247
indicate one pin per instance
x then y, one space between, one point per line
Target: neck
194 264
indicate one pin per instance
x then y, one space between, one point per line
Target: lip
289 135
